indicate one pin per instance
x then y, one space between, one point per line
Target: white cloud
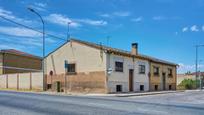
61 20
158 18
105 15
18 31
10 15
92 22
139 19
12 46
122 13
185 67
39 6
185 29
194 28
203 27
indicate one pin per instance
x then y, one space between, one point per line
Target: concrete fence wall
22 81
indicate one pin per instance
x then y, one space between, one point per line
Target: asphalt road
15 103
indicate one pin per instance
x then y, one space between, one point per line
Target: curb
144 94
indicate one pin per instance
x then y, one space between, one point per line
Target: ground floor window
118 88
141 87
170 87
49 86
71 68
156 87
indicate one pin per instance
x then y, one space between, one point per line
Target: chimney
134 49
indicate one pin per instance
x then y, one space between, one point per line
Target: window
156 87
119 66
71 68
118 88
141 69
49 86
170 87
170 72
141 87
156 70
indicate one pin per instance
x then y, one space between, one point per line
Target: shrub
189 84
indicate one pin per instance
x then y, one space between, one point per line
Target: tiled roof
17 52
123 52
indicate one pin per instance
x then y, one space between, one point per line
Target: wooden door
131 75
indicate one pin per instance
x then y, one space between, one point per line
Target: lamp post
200 74
42 65
197 46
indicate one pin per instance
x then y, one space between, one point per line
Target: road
186 103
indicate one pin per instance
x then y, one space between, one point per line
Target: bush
189 84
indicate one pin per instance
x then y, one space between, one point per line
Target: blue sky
166 29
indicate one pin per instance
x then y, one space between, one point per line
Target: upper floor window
156 70
170 72
141 69
118 66
71 68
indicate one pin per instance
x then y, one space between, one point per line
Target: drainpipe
3 54
149 75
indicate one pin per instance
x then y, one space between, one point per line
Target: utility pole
197 46
42 65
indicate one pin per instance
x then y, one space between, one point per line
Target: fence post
30 81
17 81
6 81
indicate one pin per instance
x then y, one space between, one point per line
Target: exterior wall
22 81
3 81
181 77
158 79
1 63
87 59
122 78
92 82
18 61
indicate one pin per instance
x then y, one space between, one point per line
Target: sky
165 29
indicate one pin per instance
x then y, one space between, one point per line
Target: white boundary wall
22 81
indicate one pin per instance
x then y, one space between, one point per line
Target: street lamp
42 65
197 46
200 74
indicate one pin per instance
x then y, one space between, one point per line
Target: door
164 81
131 75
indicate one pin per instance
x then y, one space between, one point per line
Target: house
83 66
14 61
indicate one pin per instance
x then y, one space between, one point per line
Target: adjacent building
83 66
14 61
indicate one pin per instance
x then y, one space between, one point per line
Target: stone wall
92 82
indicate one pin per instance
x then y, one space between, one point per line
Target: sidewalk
134 94
112 95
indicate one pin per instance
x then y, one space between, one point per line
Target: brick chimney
134 50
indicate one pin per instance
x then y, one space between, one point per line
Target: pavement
182 103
